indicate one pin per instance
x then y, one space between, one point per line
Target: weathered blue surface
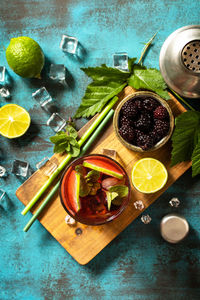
138 264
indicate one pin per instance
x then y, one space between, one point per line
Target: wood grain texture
93 239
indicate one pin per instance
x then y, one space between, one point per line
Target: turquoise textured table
138 264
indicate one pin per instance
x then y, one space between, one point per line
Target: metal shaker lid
180 61
174 228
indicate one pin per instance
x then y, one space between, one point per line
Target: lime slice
103 167
25 57
149 175
14 121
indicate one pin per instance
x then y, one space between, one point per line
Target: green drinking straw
68 157
83 151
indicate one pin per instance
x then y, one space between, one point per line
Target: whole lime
25 57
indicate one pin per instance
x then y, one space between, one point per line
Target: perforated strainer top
180 61
191 56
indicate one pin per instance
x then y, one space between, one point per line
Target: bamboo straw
67 159
83 151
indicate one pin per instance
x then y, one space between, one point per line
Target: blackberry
138 103
127 133
138 133
129 109
161 113
124 120
150 104
161 127
156 137
144 122
145 141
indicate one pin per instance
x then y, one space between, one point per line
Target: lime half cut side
149 175
14 121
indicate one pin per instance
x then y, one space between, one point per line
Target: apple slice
103 167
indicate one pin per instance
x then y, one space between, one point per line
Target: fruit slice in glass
93 209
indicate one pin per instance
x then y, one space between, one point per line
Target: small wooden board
86 246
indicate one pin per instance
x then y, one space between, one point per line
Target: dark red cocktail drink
94 189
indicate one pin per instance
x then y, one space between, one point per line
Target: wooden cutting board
85 246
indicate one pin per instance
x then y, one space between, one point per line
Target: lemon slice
14 121
149 175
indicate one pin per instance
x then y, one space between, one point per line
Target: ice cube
4 200
43 97
174 202
4 92
3 172
49 166
120 61
2 75
56 122
146 219
69 44
69 220
20 168
139 205
109 152
58 73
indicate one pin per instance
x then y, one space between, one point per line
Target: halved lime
14 121
149 175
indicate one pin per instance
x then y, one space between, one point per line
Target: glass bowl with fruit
94 189
143 121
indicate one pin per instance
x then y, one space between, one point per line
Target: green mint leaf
110 197
149 79
80 169
196 158
71 131
121 190
96 96
93 176
68 147
59 148
72 141
84 188
58 138
75 149
103 73
184 138
94 187
116 194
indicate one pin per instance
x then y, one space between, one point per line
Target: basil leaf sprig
186 140
66 141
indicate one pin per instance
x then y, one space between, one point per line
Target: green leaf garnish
66 141
150 79
186 140
74 149
103 73
110 196
115 194
121 190
71 131
89 184
80 169
97 94
93 176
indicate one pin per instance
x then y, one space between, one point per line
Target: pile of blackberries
143 122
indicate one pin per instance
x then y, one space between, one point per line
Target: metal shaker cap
180 61
174 228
